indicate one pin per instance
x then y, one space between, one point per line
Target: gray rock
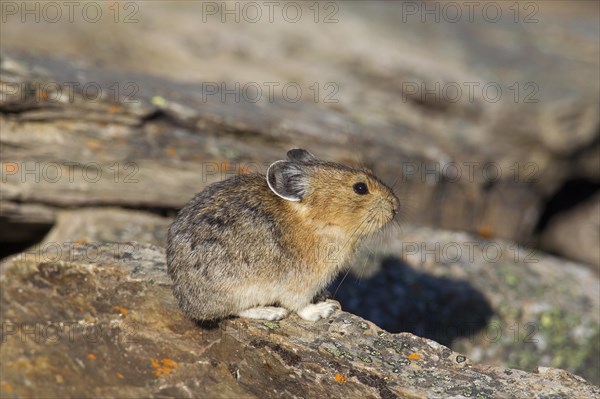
106 324
572 231
106 225
493 300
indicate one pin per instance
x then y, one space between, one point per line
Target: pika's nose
395 206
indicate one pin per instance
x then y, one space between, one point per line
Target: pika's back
238 220
243 200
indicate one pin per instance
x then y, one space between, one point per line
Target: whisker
377 217
359 227
348 270
362 269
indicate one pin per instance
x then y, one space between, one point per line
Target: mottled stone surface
101 321
498 302
106 225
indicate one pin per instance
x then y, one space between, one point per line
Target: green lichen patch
271 325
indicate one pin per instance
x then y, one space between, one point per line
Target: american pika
261 246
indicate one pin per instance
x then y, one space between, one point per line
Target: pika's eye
360 188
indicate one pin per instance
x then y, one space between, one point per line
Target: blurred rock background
483 117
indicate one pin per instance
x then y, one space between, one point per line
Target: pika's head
333 194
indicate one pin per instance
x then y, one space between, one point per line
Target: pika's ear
300 155
288 180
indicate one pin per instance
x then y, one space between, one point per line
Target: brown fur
238 245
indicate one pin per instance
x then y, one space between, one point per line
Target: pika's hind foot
321 310
271 313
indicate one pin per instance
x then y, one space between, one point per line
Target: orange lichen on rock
91 356
414 356
121 310
340 378
485 231
93 144
162 367
43 95
11 167
171 152
6 387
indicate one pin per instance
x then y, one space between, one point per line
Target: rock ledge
99 320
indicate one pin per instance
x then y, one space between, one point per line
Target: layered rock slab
101 321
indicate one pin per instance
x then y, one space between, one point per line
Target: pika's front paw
271 313
321 310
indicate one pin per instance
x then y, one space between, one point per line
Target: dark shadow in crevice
572 193
17 237
399 298
210 325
